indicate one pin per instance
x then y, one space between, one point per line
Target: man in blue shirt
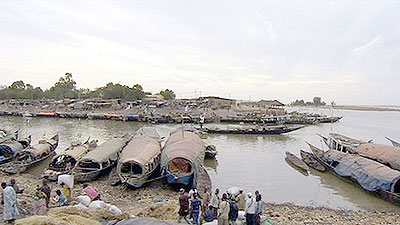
196 205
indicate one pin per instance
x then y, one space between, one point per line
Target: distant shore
359 108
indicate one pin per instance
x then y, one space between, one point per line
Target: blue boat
182 158
10 148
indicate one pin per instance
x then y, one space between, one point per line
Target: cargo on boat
64 162
32 155
182 158
6 136
100 160
370 175
140 159
238 129
9 149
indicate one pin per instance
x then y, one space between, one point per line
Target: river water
251 161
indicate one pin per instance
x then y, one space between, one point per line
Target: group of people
41 198
225 208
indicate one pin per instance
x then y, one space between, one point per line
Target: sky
343 51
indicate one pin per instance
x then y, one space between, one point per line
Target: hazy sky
347 51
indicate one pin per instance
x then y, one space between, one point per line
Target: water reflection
211 163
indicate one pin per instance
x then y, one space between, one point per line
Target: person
257 193
195 208
62 199
39 204
259 205
206 198
47 191
202 120
250 209
241 200
233 210
183 206
10 210
91 192
14 184
223 211
66 191
214 202
209 214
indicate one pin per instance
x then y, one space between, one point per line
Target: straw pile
71 215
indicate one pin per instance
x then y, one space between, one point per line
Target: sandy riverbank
161 202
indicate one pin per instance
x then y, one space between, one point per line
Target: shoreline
355 108
159 201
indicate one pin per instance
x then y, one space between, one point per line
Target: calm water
252 161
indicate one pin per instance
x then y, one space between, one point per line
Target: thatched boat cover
108 150
76 152
141 150
385 154
186 144
39 149
371 175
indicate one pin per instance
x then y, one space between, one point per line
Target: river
251 162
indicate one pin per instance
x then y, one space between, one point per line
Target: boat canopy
106 151
11 148
186 145
385 154
370 175
75 152
140 150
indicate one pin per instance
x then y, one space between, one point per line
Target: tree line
65 87
316 102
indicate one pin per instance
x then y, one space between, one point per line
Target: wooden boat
371 176
211 150
296 161
326 119
100 160
250 129
9 149
7 136
182 158
65 162
311 161
140 159
341 142
46 114
394 143
32 155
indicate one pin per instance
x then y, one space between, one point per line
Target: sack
81 206
234 191
115 210
97 205
84 199
242 215
66 179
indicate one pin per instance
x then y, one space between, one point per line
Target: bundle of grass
71 215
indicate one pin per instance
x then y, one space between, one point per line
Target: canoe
32 155
9 149
296 161
100 160
394 143
267 130
182 158
140 158
64 162
311 161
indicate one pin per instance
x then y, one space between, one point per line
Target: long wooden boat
100 160
394 143
296 161
64 162
251 129
371 176
341 142
32 155
140 159
311 161
326 119
9 149
182 158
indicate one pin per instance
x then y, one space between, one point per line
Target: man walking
196 205
223 211
241 200
214 203
10 211
183 206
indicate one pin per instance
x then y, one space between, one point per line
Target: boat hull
181 180
86 177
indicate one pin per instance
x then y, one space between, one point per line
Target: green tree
18 85
168 94
65 87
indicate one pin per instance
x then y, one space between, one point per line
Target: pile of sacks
86 203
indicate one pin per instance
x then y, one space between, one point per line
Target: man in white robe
10 211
